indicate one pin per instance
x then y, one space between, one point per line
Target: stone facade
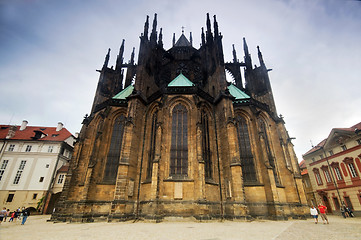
182 141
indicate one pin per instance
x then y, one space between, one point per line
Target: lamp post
333 178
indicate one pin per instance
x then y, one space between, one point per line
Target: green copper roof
237 93
124 93
180 81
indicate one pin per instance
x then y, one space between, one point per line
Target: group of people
21 214
314 213
345 211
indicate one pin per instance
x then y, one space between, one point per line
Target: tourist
322 210
26 214
12 216
2 214
314 213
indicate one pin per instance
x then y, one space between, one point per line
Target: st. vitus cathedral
170 137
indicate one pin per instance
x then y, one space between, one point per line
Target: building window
19 172
352 168
152 144
28 148
245 151
338 173
61 178
313 159
50 149
179 142
330 152
47 166
321 156
337 203
111 167
3 167
10 197
348 202
206 148
11 147
317 176
344 148
327 175
35 196
41 179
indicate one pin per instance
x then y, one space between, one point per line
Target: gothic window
111 167
206 150
179 142
268 149
317 176
152 145
244 145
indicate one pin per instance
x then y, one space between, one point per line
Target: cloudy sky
50 50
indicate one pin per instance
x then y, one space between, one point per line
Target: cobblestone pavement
37 227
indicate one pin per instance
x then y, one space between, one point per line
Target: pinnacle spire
160 40
234 54
120 56
106 61
203 37
173 39
215 24
146 27
247 57
153 35
209 31
260 57
132 56
190 38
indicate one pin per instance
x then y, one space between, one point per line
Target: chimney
59 127
23 125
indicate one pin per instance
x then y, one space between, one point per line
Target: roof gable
183 42
181 81
122 95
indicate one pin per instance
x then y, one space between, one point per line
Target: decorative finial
182 29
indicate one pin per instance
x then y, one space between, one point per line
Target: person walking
314 213
322 210
26 214
2 214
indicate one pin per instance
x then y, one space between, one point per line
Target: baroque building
171 137
334 169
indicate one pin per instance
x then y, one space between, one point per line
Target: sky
50 51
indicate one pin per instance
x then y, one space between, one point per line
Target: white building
30 158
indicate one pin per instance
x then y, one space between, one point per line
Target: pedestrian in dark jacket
26 214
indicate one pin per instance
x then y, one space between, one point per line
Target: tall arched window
268 149
206 151
245 151
111 167
152 144
179 142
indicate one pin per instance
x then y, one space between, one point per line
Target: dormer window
344 148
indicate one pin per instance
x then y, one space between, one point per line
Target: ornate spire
215 24
106 61
146 27
160 40
132 56
247 57
203 37
209 31
260 57
120 57
153 35
173 39
234 54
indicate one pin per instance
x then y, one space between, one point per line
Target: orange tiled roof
64 168
29 132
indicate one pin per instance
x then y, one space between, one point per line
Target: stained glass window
245 151
179 142
111 167
206 152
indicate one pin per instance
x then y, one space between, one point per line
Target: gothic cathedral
170 137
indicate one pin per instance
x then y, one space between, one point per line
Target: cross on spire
182 29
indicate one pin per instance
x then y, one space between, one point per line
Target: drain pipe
140 171
219 170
